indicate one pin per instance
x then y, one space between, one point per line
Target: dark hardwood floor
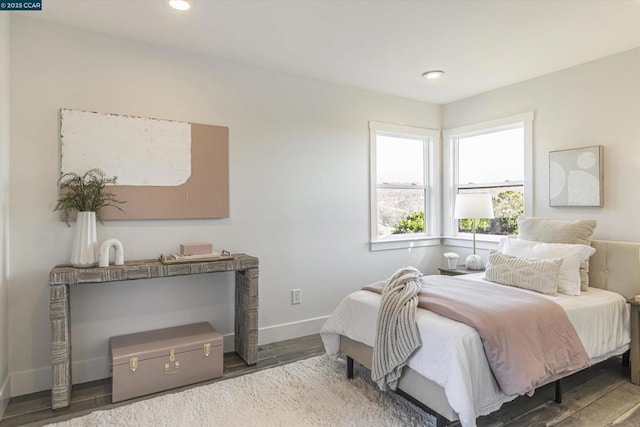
599 396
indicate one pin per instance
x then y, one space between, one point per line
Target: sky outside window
399 160
491 157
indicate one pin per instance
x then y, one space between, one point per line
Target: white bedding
452 354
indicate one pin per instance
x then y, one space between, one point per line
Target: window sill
405 243
482 242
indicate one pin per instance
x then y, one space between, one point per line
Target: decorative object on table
83 252
575 177
452 259
85 194
196 248
105 248
181 259
473 206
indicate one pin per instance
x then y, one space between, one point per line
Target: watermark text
20 5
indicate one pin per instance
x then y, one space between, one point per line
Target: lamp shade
473 205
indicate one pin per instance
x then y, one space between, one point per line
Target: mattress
452 354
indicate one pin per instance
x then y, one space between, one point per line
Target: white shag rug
311 392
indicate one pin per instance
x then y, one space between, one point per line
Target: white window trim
432 181
449 179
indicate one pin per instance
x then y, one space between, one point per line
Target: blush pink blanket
528 339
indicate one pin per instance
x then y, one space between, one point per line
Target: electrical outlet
295 296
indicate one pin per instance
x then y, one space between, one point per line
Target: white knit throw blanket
396 329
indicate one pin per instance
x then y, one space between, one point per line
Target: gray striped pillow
540 275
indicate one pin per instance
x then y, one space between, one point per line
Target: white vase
85 241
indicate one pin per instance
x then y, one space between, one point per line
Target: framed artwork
575 177
166 169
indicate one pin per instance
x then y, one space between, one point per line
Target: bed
455 382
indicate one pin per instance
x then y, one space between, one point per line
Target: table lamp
473 206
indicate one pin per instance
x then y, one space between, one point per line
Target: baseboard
91 369
31 381
286 331
5 395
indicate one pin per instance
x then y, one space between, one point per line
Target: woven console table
60 277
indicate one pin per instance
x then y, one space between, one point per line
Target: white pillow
572 256
559 231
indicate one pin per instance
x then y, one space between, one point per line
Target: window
402 185
492 157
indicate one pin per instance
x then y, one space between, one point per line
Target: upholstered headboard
616 267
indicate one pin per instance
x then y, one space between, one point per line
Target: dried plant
85 193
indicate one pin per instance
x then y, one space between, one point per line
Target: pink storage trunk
153 361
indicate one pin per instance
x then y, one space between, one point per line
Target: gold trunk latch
172 354
207 350
133 364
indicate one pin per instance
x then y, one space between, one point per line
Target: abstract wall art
166 169
575 177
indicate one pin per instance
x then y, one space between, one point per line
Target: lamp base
474 262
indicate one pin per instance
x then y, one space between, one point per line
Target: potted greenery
87 195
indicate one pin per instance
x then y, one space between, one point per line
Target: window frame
431 161
450 175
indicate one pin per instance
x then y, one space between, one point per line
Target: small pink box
196 248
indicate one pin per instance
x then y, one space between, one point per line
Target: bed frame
615 267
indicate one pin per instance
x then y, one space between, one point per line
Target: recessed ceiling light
179 4
432 74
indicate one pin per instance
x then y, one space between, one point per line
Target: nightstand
635 341
457 271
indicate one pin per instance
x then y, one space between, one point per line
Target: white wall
298 192
597 103
4 211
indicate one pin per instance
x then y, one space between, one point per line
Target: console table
60 277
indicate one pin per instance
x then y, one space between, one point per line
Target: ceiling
381 45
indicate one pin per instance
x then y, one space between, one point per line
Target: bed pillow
540 275
560 231
572 256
